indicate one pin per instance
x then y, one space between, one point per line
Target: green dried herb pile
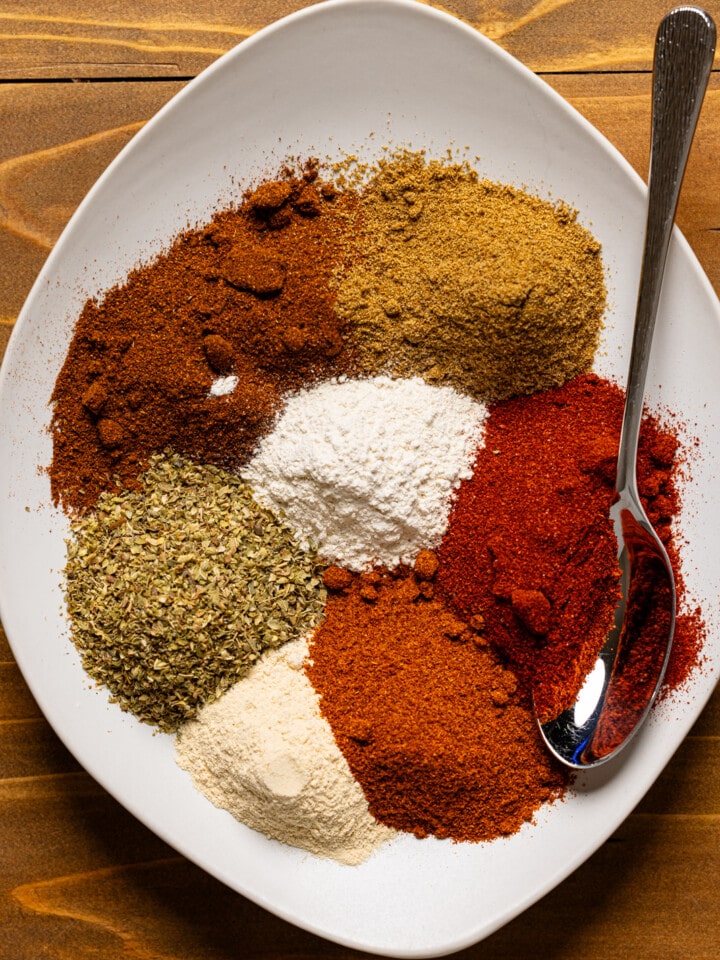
174 590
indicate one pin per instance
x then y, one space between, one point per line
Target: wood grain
58 140
85 879
61 137
619 106
79 876
175 38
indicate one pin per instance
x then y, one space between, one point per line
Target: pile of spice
530 547
264 752
303 382
431 723
175 589
245 297
469 282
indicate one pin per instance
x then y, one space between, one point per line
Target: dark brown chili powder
246 296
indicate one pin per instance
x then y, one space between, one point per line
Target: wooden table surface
79 876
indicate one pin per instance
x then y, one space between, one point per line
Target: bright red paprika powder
530 545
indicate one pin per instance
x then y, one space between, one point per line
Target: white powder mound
365 469
264 752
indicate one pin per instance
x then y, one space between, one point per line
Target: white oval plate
328 80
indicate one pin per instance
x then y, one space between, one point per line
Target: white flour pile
365 469
264 752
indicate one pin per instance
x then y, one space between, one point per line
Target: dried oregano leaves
174 589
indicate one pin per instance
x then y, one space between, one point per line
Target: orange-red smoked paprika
430 722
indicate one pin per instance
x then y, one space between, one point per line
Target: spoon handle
684 50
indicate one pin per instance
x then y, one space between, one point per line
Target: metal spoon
622 686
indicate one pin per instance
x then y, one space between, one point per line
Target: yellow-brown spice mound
471 283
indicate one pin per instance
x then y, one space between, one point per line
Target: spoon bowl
621 687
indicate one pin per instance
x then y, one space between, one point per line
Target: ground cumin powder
471 283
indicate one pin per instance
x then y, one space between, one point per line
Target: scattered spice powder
472 283
174 590
430 722
248 295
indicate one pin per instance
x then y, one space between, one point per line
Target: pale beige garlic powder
263 752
